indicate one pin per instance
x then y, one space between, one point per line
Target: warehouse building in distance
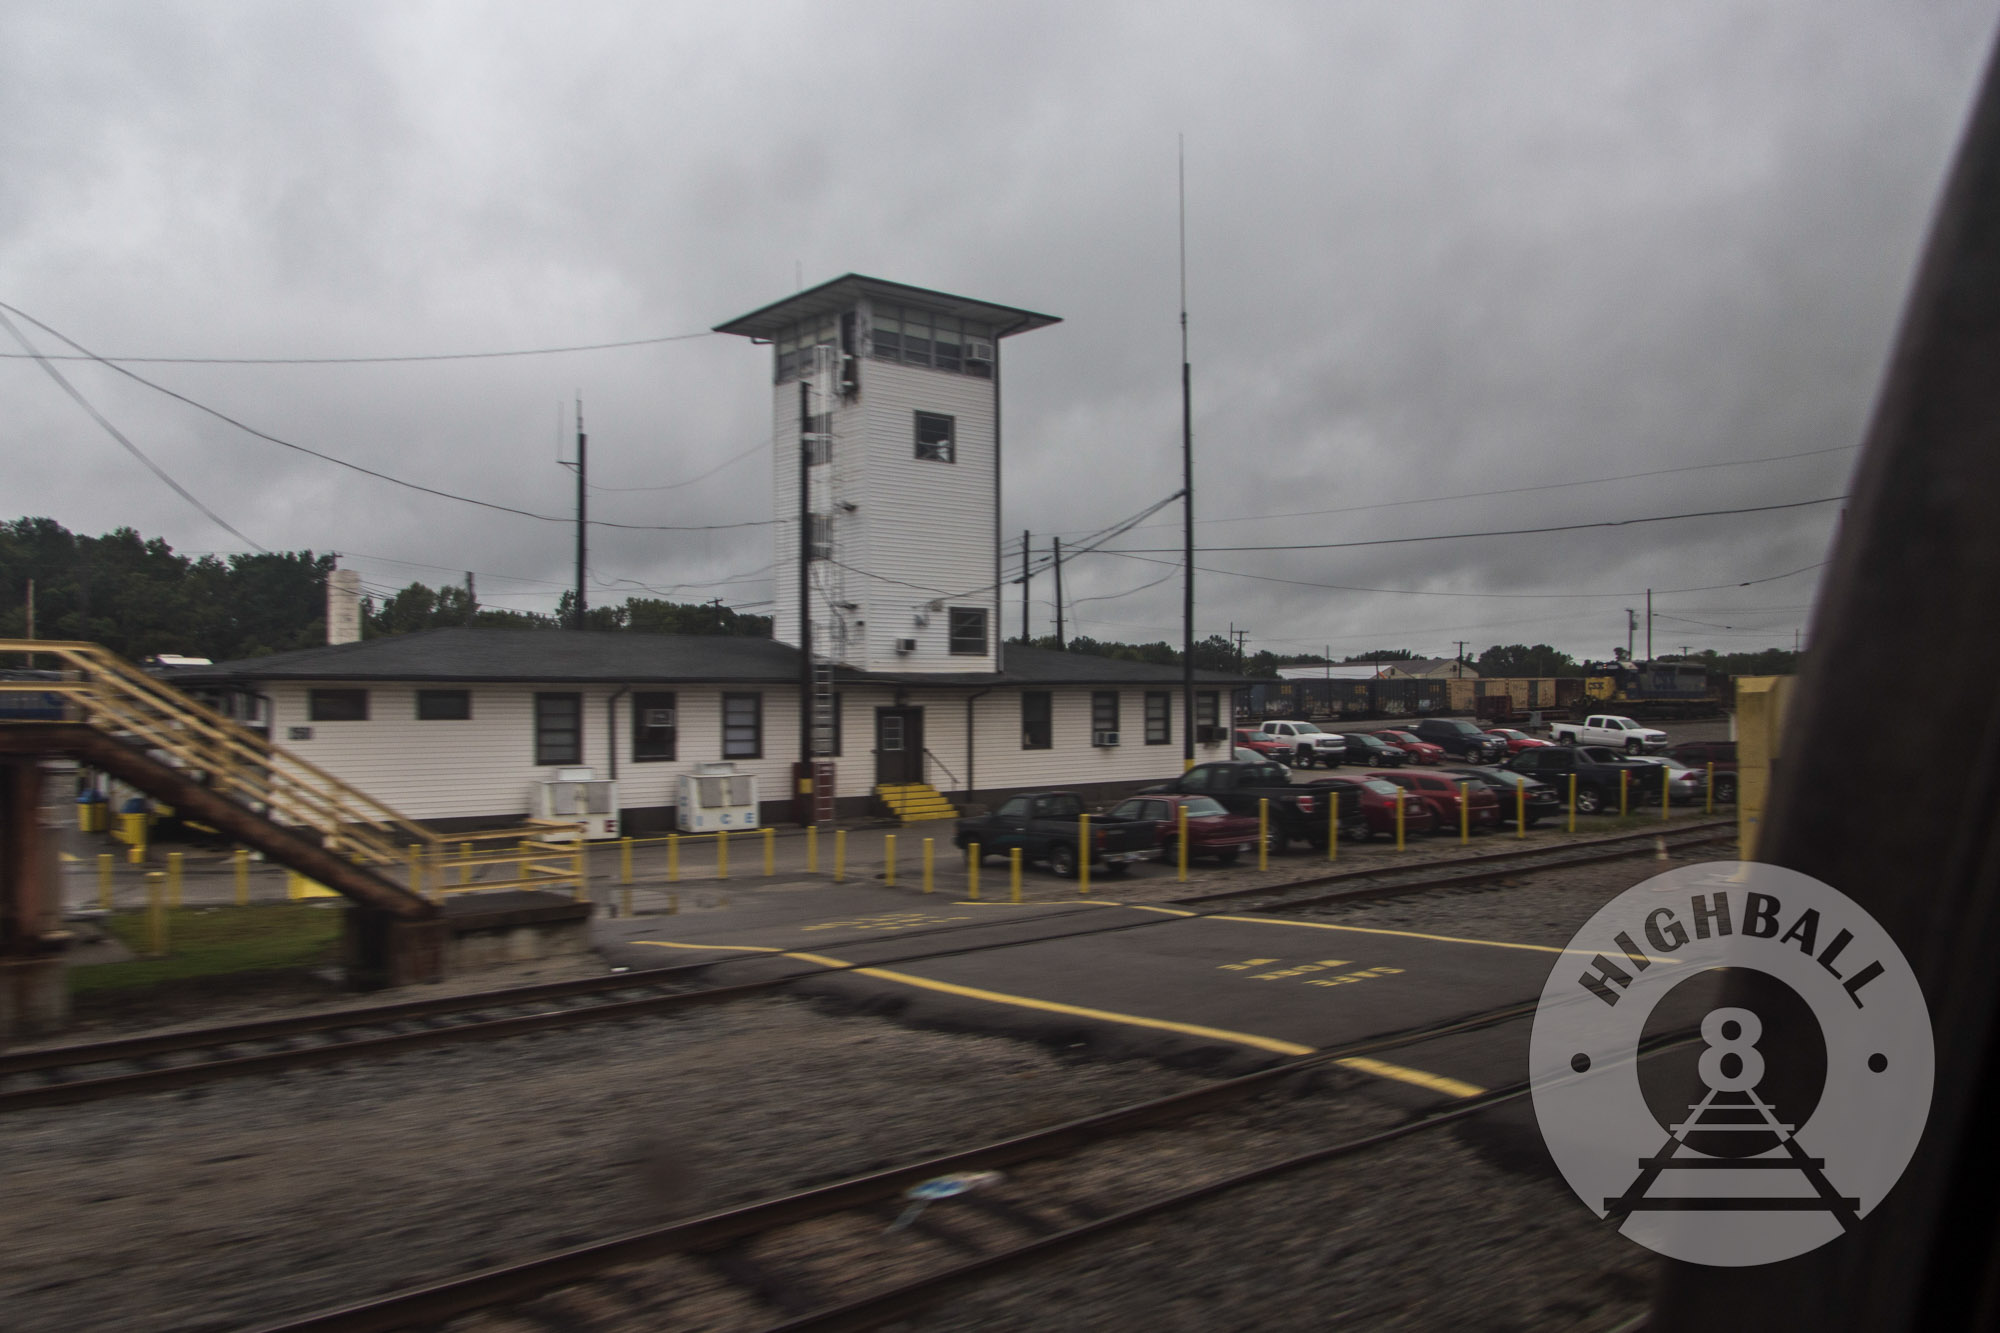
886 686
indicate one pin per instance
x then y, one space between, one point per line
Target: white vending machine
715 796
578 796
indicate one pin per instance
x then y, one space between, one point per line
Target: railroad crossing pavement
1230 990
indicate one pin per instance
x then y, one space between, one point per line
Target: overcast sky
1434 250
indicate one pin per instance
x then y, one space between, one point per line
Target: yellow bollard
1666 792
156 913
176 862
104 880
625 862
465 863
1572 803
722 853
1083 852
812 849
242 860
972 872
135 836
1332 824
889 860
1014 874
839 854
1181 843
770 851
1464 813
927 864
1520 810
673 858
1709 808
1402 799
1624 791
1263 833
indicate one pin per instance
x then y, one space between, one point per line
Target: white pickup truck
1620 733
1307 743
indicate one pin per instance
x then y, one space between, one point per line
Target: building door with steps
899 746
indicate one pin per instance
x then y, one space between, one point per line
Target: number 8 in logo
1731 1034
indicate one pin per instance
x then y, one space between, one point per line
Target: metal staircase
149 734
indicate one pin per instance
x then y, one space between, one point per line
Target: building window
968 631
935 442
742 726
654 727
444 705
337 705
1206 706
1036 731
1103 711
1159 724
921 338
558 728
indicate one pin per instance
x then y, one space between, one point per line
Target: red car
1441 793
1378 808
1420 751
1212 830
1517 741
1264 743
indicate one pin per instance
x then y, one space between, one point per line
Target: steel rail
513 1282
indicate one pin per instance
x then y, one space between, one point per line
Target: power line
119 435
1499 532
353 467
366 360
677 485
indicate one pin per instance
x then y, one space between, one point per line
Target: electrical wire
674 486
356 467
1424 592
371 360
118 435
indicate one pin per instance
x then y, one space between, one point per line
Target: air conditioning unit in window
906 645
1104 739
659 718
1208 733
978 351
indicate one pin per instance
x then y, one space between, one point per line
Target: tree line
139 597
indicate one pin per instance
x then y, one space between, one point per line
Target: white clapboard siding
928 524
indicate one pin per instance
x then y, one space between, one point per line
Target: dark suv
1461 738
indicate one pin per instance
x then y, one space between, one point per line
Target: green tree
1517 659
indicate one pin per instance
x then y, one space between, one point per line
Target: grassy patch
217 941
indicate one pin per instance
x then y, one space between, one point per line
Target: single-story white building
455 727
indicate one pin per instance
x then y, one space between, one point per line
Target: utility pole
1026 556
1061 643
582 549
1187 490
471 597
1649 624
1458 669
1631 628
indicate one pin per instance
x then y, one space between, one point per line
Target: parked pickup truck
1045 826
1596 769
1619 733
1308 744
1297 813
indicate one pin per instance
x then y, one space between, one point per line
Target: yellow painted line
1451 1087
713 948
1419 935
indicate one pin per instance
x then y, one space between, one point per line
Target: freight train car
1655 691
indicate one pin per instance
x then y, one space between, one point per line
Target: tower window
936 437
968 631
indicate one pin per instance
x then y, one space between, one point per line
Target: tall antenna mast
582 549
1187 482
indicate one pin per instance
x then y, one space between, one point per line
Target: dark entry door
899 745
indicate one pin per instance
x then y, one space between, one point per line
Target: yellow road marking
1451 1087
1418 935
1379 1068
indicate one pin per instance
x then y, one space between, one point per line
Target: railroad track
67 1075
815 1260
1394 881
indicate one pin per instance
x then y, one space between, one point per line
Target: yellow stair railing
104 691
